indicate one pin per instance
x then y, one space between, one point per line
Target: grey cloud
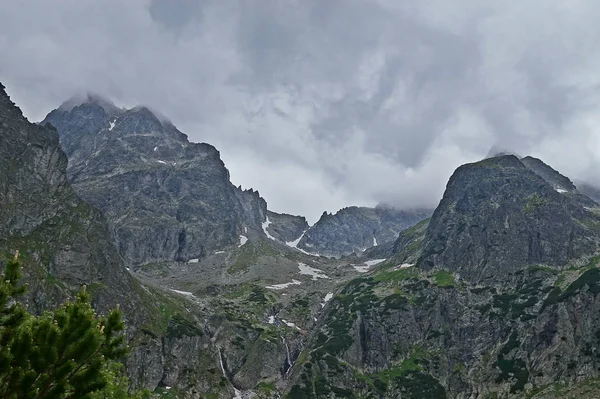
323 104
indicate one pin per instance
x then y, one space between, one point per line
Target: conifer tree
69 353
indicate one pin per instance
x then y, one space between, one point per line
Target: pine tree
69 353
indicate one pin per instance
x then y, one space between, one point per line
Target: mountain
60 236
65 243
285 228
561 183
168 199
498 216
355 229
165 198
494 296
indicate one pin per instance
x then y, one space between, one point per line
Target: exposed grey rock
65 243
497 217
355 229
286 228
41 215
546 172
165 198
559 182
498 318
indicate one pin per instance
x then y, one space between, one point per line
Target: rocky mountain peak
498 216
41 215
546 172
7 107
497 151
90 99
167 199
354 229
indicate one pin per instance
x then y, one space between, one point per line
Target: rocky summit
497 216
494 294
355 229
165 198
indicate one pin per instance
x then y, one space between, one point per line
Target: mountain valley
494 294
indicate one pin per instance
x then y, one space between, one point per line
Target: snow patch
163 162
374 262
112 125
243 240
155 149
266 224
327 299
374 241
406 265
186 293
245 229
562 190
311 271
283 286
290 324
237 393
193 261
219 252
294 244
361 269
271 319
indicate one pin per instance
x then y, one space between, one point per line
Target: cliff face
41 215
164 197
355 229
286 228
495 295
497 216
65 243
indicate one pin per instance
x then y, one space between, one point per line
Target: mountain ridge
115 148
494 294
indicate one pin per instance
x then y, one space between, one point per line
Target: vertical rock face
502 302
286 228
37 202
64 243
551 176
165 198
497 216
354 229
62 239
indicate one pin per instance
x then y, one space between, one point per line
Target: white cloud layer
324 104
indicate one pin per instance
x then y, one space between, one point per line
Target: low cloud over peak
321 105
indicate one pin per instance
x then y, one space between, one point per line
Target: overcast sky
321 104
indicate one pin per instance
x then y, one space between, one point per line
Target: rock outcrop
497 217
285 228
166 199
66 243
60 236
355 229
